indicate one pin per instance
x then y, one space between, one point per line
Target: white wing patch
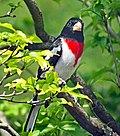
54 51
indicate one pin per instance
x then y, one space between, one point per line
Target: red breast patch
76 48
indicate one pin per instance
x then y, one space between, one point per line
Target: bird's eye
77 26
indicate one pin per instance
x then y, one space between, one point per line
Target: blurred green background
97 67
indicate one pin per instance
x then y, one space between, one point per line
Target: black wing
56 49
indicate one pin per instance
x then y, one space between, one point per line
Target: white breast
65 65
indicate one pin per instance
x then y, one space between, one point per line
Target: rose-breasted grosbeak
69 47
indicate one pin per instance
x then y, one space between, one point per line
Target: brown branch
9 129
38 21
76 111
92 125
97 107
30 47
38 46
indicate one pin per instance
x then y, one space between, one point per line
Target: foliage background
97 66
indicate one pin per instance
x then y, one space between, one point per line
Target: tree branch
12 94
31 102
38 46
38 21
113 33
92 125
97 107
4 77
9 129
9 13
76 111
30 47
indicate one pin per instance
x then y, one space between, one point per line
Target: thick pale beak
77 27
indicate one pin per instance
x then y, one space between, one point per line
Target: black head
73 29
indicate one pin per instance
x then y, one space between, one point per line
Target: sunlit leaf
82 96
68 127
8 26
35 133
48 129
69 89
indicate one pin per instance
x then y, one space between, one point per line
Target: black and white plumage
68 47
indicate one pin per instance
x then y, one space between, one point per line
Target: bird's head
73 29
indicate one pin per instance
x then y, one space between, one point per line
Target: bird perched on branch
69 47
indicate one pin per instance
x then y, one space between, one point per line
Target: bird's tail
32 117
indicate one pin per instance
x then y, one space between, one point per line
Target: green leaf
16 83
10 69
57 1
49 128
35 133
31 81
115 7
49 76
46 53
68 127
8 26
82 96
98 7
37 56
69 89
98 75
63 101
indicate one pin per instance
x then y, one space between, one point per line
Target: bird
69 47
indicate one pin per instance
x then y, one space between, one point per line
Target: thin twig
12 94
31 102
8 75
4 51
8 57
11 100
87 3
5 77
9 13
113 54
